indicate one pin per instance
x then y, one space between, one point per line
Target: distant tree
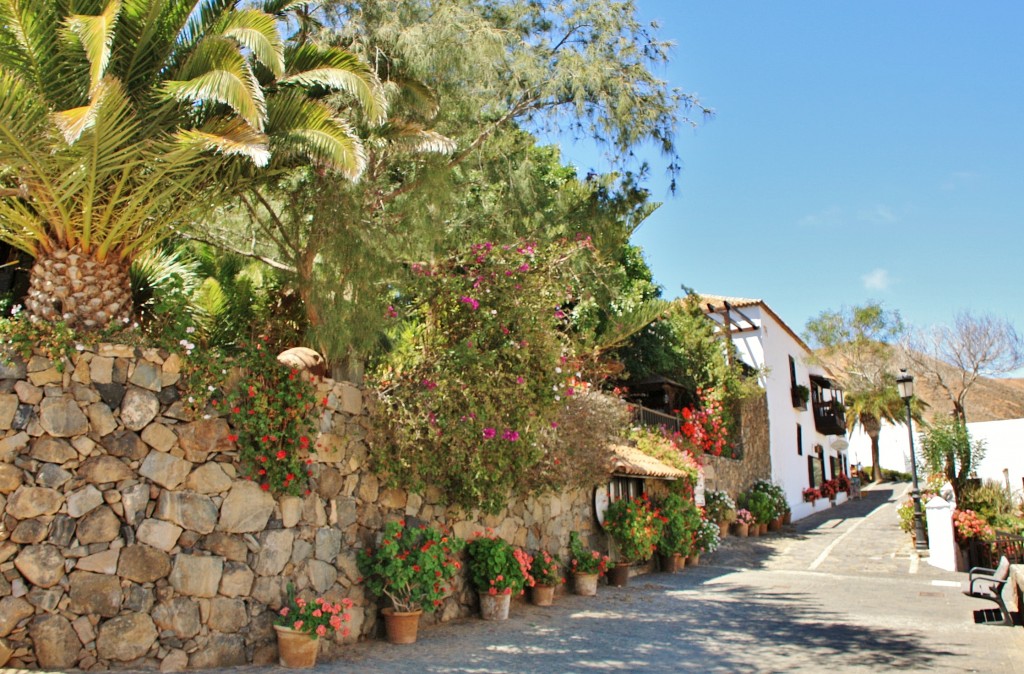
947 448
856 345
974 346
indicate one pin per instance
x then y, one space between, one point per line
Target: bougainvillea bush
411 566
707 425
479 372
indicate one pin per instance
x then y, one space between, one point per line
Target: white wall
771 346
1004 445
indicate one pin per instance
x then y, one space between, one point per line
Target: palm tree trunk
84 293
876 462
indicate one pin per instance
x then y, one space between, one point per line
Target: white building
805 416
1004 450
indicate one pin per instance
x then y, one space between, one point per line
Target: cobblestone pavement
841 591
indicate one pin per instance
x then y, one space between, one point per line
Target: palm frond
257 31
217 72
303 128
336 70
413 138
96 35
228 137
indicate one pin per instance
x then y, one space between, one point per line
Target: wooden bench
988 584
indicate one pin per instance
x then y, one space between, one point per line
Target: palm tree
868 408
118 122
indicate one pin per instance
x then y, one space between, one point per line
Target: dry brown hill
988 399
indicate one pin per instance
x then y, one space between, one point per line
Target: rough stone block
246 509
160 534
126 637
95 593
166 470
143 564
196 576
191 511
55 643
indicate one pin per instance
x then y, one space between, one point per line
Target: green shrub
682 518
496 567
635 526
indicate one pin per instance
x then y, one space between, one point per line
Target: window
792 372
624 487
832 467
799 440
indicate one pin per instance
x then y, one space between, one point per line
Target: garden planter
618 575
693 560
494 606
754 529
723 528
741 529
542 595
762 529
787 517
401 627
296 649
672 563
775 524
584 584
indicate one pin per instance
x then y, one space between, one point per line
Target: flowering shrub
843 483
411 566
315 618
482 374
743 516
681 520
545 569
495 567
635 525
776 496
271 413
967 524
707 425
760 506
905 513
829 489
719 506
586 561
671 448
812 494
707 537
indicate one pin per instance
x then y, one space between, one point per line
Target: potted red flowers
635 526
300 623
545 573
587 566
411 566
498 570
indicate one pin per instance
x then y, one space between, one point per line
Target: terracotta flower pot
693 560
741 529
296 649
618 575
494 606
723 528
754 529
401 627
584 584
762 529
542 595
787 517
672 563
775 524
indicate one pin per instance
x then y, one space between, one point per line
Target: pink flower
321 630
489 433
470 301
298 625
510 435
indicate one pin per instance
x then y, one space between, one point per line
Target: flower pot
787 517
584 584
754 529
775 524
762 529
296 649
672 563
723 528
494 606
741 529
542 595
618 575
401 627
693 560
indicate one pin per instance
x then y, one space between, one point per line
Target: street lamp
905 384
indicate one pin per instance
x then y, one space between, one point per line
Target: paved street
837 592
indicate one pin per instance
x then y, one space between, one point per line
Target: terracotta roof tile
631 461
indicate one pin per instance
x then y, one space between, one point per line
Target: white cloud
879 215
824 218
876 279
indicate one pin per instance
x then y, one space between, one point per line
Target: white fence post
942 550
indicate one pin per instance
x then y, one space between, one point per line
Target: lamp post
905 384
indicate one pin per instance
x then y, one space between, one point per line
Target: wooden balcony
829 417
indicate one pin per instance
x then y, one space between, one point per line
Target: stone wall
128 539
735 476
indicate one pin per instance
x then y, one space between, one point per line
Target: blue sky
859 150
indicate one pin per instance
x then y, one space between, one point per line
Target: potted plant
719 507
546 576
743 521
498 570
777 497
812 494
800 394
705 540
635 525
411 567
299 624
760 506
587 566
681 519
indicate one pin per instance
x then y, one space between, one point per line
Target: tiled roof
631 461
739 302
